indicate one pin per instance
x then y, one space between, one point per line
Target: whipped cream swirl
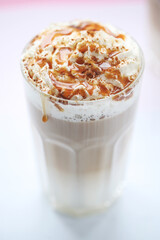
81 60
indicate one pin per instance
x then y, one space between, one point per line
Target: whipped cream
81 61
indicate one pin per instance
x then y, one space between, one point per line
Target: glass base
81 212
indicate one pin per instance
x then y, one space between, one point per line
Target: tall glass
82 146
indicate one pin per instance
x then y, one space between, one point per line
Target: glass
82 146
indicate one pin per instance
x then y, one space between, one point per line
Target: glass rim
83 102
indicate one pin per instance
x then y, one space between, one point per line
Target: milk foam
77 111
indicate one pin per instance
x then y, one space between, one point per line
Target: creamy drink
82 84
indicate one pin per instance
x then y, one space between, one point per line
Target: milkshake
82 82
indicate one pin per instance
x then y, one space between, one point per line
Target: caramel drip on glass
43 101
44 118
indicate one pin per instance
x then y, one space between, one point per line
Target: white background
24 212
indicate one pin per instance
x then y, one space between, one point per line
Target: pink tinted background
17 2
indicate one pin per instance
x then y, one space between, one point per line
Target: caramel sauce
103 90
124 96
59 107
88 87
92 47
81 92
78 70
118 97
50 63
112 73
84 71
122 36
66 93
78 67
34 39
113 53
125 81
50 37
43 101
92 27
80 60
30 74
83 48
88 26
44 118
91 33
42 62
63 54
94 59
61 85
62 71
65 88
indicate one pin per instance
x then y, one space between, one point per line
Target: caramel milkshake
82 82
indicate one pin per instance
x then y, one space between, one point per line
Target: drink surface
81 61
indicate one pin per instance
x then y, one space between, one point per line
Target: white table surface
24 212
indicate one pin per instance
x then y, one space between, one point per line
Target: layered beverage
82 82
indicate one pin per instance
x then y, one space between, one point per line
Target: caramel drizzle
50 37
44 116
67 89
63 55
42 62
88 26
